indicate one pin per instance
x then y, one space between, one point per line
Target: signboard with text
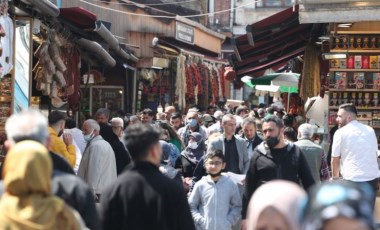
184 33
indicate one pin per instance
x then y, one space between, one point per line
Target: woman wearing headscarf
27 202
170 135
339 205
192 154
276 205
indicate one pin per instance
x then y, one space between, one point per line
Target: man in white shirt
354 150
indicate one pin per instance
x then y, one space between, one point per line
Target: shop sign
184 33
160 62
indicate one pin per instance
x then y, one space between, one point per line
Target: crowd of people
235 168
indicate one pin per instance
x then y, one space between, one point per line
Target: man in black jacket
275 159
142 197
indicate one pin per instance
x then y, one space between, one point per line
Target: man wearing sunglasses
275 159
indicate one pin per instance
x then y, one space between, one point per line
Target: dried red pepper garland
197 77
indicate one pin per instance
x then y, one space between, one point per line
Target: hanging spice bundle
189 82
204 78
181 86
222 80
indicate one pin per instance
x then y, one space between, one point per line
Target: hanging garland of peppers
215 84
204 78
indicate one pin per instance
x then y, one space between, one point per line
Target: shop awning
270 43
186 47
325 11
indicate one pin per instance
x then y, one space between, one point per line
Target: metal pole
288 99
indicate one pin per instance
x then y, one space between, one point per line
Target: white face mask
193 145
88 137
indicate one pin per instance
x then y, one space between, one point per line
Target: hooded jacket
215 206
264 167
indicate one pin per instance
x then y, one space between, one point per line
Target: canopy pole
287 108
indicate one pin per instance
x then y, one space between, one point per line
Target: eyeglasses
214 163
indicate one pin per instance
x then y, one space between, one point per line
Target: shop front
46 54
352 52
276 44
354 73
184 71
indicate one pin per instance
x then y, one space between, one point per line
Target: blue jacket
215 206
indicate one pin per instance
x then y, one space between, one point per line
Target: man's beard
343 123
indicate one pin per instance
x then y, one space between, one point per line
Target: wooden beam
333 1
338 15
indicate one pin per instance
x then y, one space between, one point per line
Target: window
273 3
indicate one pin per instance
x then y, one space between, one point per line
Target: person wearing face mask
275 159
98 165
192 154
64 146
215 202
192 125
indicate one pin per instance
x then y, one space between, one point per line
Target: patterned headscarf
339 199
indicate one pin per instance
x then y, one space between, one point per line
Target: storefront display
99 96
5 107
6 39
57 71
356 79
189 80
23 65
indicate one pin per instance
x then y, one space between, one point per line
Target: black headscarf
194 155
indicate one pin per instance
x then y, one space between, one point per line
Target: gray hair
27 125
93 124
117 121
228 117
305 131
134 118
103 111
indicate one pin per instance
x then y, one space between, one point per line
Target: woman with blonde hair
27 202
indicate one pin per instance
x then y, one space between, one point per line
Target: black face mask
60 133
272 142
